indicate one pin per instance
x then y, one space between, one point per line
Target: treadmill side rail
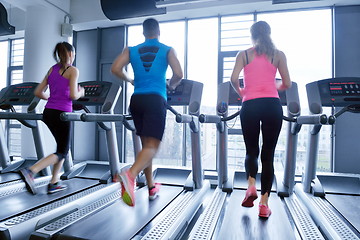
330 223
19 227
203 225
178 214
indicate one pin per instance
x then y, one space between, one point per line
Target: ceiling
91 16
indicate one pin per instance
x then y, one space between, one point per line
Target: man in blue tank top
149 61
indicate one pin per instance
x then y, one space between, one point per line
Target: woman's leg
61 132
271 127
250 124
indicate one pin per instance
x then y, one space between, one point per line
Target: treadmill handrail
184 118
204 118
101 117
317 119
181 118
70 116
21 116
27 119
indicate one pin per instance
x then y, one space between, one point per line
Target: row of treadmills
193 203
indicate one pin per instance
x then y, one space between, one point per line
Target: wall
347 64
42 32
96 51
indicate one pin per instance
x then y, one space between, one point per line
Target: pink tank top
259 79
59 91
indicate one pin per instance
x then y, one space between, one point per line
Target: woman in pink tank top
62 82
261 109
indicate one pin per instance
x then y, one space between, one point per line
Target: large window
306 39
201 58
171 151
4 52
235 37
202 67
15 76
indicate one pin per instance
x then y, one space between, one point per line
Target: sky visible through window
305 38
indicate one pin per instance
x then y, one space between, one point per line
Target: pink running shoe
117 178
153 192
127 184
250 196
264 211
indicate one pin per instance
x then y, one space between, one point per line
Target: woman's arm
42 87
239 65
284 72
76 91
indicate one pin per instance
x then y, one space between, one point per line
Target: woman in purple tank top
62 80
261 109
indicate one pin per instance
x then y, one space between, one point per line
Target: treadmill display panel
345 88
181 95
19 94
234 98
95 93
92 90
334 92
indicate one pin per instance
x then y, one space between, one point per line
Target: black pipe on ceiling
5 27
122 9
291 1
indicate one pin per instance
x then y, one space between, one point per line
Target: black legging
59 129
265 113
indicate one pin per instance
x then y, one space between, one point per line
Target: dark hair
151 28
61 50
260 34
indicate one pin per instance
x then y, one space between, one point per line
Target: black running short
149 114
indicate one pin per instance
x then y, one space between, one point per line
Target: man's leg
144 158
149 175
143 161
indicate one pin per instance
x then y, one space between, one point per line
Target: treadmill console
188 93
337 92
95 93
234 98
98 93
17 95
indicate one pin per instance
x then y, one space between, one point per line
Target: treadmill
229 220
22 213
166 217
103 95
332 199
10 97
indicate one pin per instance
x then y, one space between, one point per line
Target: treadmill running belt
8 177
23 201
243 223
119 221
348 206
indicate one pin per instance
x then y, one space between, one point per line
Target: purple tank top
59 91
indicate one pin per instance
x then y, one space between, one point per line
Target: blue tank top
149 62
